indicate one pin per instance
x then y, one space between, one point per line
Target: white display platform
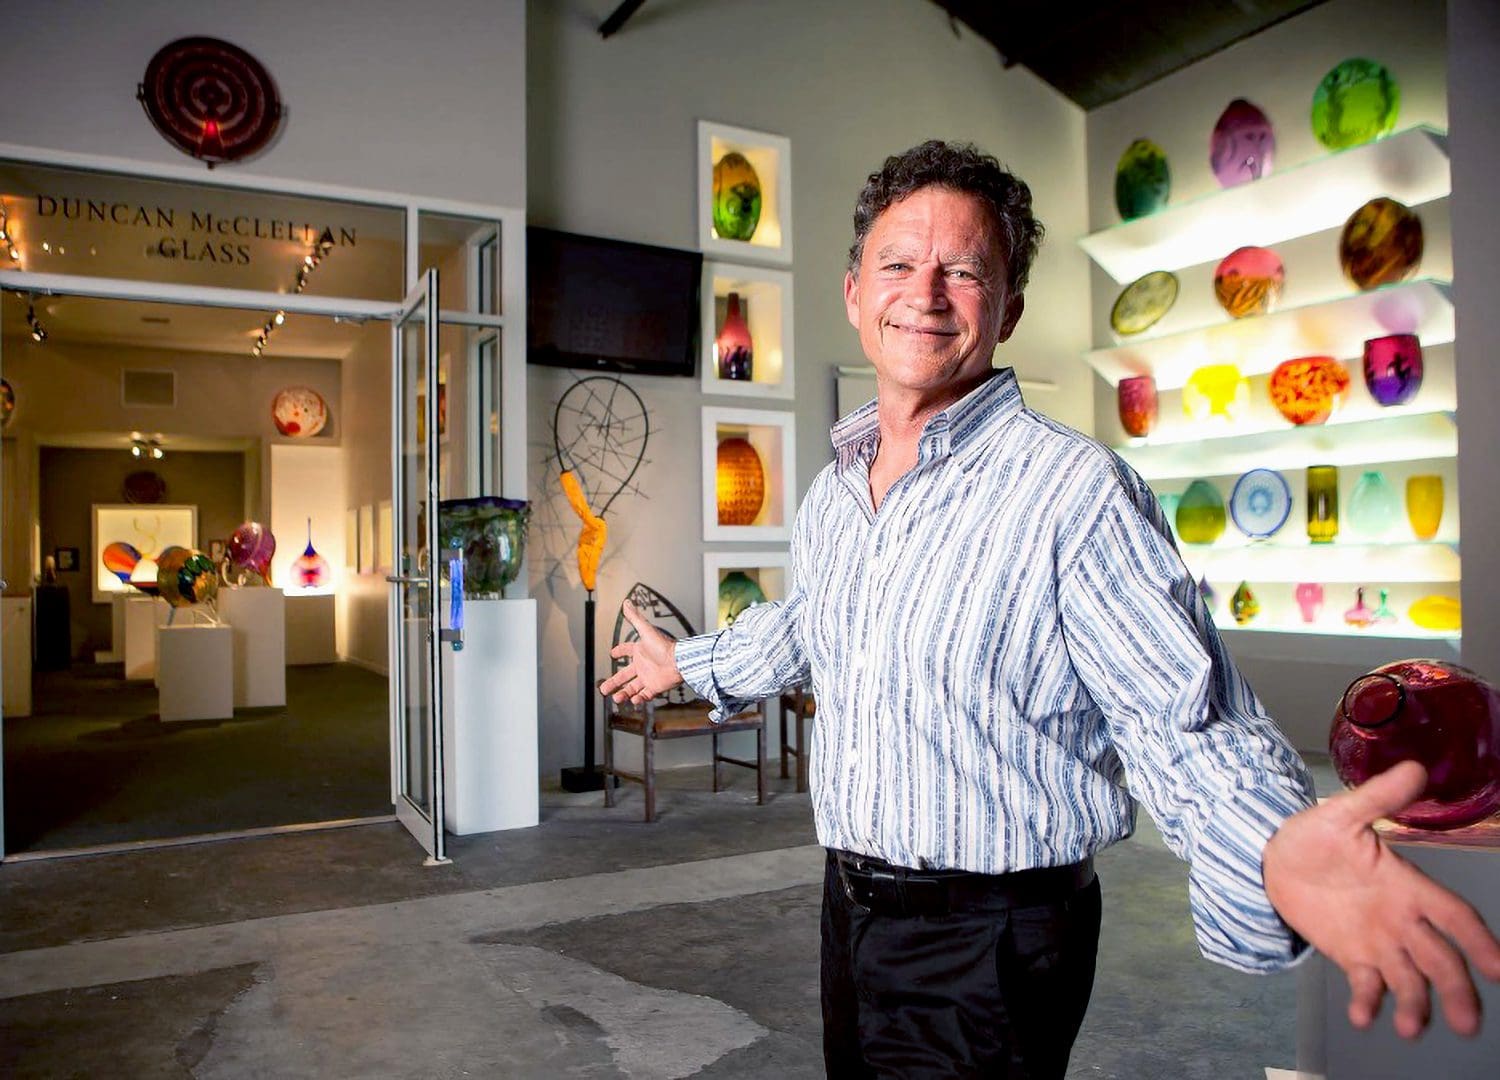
15 629
258 618
310 629
1468 862
116 651
143 614
490 771
195 672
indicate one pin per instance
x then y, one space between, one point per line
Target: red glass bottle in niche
1439 714
736 352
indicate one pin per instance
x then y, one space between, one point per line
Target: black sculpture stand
588 776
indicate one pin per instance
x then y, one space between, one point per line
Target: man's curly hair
964 168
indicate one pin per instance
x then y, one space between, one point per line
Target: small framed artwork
367 538
385 533
66 559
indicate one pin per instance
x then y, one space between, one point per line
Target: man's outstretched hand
652 669
1388 925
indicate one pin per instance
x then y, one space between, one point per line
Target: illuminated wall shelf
1413 437
771 570
1256 345
772 434
766 300
1289 634
1410 166
1353 564
771 157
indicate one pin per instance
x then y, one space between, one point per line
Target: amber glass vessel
1322 503
1424 505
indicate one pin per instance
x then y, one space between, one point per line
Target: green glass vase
1200 514
1322 503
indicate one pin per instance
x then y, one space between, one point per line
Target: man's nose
929 289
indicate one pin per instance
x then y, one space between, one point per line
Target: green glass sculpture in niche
1357 101
491 533
1200 514
1142 180
1243 605
737 197
737 591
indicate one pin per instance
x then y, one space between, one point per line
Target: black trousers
999 992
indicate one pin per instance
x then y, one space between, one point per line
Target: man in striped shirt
1007 655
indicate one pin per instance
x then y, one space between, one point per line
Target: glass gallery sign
191 234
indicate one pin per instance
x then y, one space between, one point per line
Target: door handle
407 579
454 632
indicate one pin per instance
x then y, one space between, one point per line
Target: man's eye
962 273
897 266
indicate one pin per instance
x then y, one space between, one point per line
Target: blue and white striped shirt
1001 648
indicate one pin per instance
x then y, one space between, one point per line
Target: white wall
1278 70
612 145
420 99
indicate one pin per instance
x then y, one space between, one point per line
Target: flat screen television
610 305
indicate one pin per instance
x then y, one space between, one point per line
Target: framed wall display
732 580
367 538
351 541
145 529
385 534
740 301
749 491
744 193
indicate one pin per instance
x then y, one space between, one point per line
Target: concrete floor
591 946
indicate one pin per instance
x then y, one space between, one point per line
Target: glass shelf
1290 561
1256 345
1408 437
1304 639
1410 166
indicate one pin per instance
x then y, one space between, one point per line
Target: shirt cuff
694 657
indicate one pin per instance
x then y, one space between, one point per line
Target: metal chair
679 714
798 703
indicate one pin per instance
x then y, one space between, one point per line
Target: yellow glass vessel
1424 505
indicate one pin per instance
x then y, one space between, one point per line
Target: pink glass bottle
1439 714
1310 600
736 351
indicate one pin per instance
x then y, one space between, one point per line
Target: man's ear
851 298
1013 308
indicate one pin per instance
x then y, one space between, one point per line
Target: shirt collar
978 412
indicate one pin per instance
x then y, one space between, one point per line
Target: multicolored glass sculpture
1322 503
311 570
249 553
1249 281
491 532
735 350
737 197
1260 503
1200 514
1243 605
739 482
1143 302
1357 101
1381 244
1393 368
1137 401
1361 614
1308 389
1433 712
1243 144
1424 504
143 577
1215 390
1309 595
299 412
1142 180
1373 509
120 558
185 577
1436 612
737 591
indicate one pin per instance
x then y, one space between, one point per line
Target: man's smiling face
930 301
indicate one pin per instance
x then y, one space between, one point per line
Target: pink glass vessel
1138 404
1310 600
1439 714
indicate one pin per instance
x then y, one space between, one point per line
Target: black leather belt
887 889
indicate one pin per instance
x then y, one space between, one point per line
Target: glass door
416 687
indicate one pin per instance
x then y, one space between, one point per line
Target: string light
142 447
38 332
310 263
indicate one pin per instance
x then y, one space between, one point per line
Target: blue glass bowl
1260 503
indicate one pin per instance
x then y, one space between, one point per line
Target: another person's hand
1375 915
652 669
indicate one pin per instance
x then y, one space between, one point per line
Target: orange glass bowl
1308 389
1381 244
739 482
1249 281
1138 405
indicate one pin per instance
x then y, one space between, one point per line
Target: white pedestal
258 619
143 614
195 672
116 651
15 628
1468 862
310 629
490 719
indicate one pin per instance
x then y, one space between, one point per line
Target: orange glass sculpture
740 482
120 559
1215 390
1381 244
595 530
1249 281
1308 389
1424 505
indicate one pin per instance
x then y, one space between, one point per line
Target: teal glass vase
1373 509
